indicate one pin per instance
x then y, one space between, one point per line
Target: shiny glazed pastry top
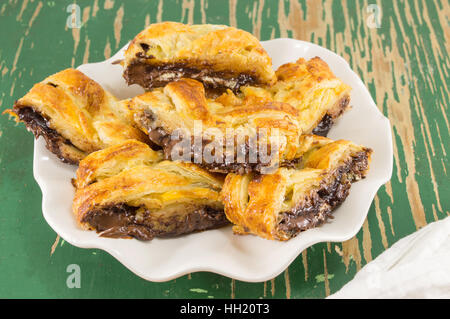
74 115
306 98
309 86
281 205
126 190
217 55
221 138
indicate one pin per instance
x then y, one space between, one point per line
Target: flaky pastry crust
308 98
308 85
217 55
75 115
127 191
182 107
280 205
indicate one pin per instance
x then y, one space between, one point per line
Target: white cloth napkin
417 266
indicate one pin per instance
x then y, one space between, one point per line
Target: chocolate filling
162 138
318 207
324 126
121 221
37 124
223 165
149 76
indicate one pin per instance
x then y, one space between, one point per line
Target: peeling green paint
321 277
199 290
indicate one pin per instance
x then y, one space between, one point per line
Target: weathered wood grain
404 63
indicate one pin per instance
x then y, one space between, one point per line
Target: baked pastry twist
217 55
307 98
280 205
75 115
309 86
257 134
127 191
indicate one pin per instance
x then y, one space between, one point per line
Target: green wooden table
399 48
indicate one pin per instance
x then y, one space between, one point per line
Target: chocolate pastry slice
217 55
256 135
74 115
308 85
281 205
127 191
320 95
265 123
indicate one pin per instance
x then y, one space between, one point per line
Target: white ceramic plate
247 258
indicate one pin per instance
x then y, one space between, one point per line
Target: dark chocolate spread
119 221
37 124
317 208
162 138
149 76
324 126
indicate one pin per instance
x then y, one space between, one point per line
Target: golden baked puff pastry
280 205
309 86
74 115
127 191
217 55
221 138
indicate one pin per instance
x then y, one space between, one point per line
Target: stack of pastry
218 137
